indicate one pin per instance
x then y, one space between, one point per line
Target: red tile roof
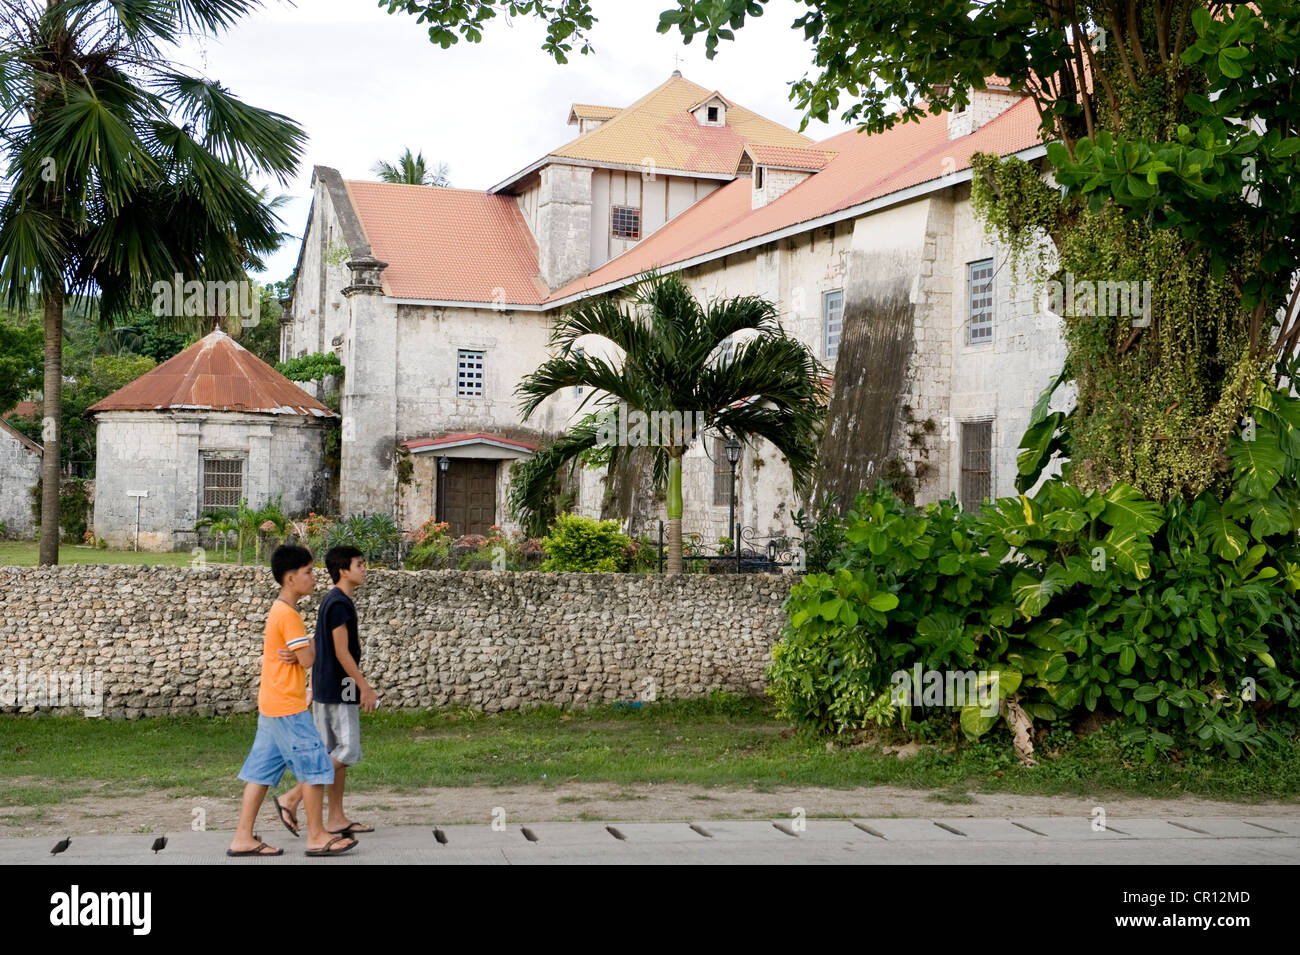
459 245
659 128
24 409
865 168
463 438
788 157
216 373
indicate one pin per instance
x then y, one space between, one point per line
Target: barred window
722 474
626 222
976 463
979 288
469 374
223 483
833 315
577 389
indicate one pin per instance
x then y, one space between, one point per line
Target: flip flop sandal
255 852
286 817
325 850
350 828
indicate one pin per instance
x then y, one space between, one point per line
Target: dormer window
711 111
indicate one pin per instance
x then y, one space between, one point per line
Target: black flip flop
325 850
256 852
350 828
285 816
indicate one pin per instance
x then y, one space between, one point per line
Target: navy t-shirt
327 674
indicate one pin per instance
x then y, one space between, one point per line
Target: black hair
338 559
287 558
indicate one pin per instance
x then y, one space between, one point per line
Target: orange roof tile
789 157
587 111
24 409
216 373
459 245
864 168
660 128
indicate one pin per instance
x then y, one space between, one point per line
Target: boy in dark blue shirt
339 690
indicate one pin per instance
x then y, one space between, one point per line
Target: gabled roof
26 442
455 245
216 373
24 409
712 96
465 438
660 128
788 157
587 111
864 168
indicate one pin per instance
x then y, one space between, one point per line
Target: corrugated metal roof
216 373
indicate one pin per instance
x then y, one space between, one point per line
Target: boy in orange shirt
286 735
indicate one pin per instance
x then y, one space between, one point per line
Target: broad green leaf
883 602
974 722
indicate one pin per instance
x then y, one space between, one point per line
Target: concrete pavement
1037 839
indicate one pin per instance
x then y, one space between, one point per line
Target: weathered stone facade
20 470
167 640
163 452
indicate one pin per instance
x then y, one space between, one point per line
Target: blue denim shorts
287 741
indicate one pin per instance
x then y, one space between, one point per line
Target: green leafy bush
578 543
1182 619
377 536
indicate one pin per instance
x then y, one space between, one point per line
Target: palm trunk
51 423
675 511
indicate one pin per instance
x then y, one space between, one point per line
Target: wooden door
471 488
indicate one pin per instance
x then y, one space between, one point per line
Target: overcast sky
365 84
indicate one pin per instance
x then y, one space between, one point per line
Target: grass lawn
719 742
25 554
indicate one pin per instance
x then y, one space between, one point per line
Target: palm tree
671 348
122 170
413 171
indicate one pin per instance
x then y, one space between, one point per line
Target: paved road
1037 839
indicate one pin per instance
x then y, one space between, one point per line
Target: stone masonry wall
169 640
20 469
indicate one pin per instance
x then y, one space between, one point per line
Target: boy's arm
368 697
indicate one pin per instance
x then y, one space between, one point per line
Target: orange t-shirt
283 689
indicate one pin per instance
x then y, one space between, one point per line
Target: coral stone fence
126 641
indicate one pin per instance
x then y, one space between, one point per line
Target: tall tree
123 170
413 171
671 364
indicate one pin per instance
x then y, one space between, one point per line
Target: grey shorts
339 725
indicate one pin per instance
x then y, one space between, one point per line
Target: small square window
979 298
833 316
469 374
625 222
713 114
223 483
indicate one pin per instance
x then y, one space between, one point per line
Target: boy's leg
254 793
337 817
306 755
313 799
261 770
292 799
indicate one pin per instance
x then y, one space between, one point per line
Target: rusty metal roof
216 373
